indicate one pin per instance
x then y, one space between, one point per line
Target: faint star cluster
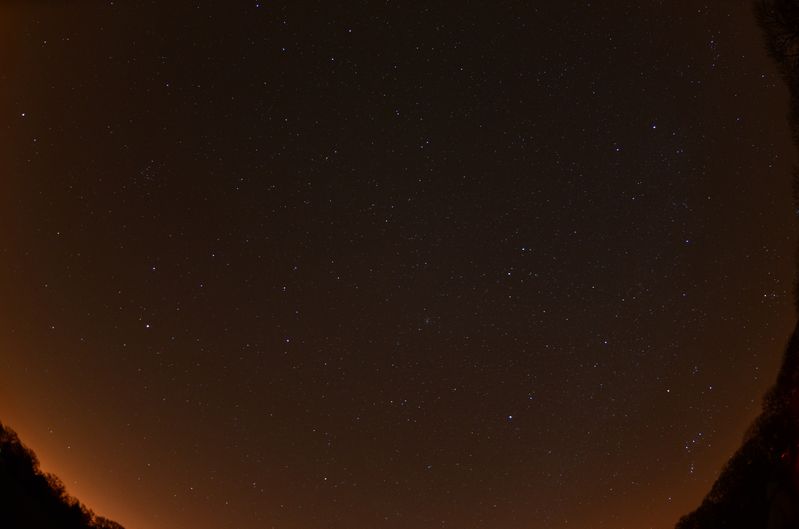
398 266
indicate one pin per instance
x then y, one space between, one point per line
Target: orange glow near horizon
390 268
102 496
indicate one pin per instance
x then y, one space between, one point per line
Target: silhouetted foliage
30 499
759 486
780 22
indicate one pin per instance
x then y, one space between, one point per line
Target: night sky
299 265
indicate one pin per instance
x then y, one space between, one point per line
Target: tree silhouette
760 476
30 499
759 486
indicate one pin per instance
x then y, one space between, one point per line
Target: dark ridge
759 485
757 488
30 499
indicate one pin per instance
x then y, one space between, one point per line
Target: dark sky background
300 265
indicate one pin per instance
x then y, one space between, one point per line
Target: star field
383 265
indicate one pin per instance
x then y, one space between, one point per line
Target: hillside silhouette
30 499
759 485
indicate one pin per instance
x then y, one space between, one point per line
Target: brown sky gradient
298 266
